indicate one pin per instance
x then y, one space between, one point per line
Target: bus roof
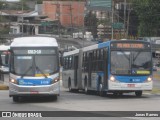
4 47
34 42
88 48
71 52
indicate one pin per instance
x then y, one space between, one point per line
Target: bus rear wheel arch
15 99
86 86
69 85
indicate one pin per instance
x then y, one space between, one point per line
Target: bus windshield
47 64
34 64
131 62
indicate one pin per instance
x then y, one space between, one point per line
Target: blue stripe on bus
131 79
34 82
104 44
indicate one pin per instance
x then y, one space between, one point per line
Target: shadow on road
36 99
110 95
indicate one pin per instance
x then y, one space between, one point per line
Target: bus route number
34 52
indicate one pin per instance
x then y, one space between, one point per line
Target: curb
154 91
3 87
156 75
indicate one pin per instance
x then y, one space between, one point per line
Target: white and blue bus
110 67
34 67
4 58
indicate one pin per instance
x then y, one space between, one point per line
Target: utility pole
129 11
112 19
70 8
57 15
71 22
22 17
124 18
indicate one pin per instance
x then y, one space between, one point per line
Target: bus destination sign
129 45
35 51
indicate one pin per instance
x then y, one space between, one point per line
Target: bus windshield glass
131 62
47 64
34 64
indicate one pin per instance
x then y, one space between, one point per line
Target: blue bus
110 67
34 67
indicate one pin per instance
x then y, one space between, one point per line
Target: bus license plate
131 85
34 92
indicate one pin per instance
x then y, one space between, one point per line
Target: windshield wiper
26 72
125 54
136 56
41 72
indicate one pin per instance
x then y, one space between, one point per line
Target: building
69 13
21 21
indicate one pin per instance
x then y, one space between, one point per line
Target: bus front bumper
130 86
46 90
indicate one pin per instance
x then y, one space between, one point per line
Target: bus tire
15 99
69 85
54 97
86 89
138 93
101 92
85 86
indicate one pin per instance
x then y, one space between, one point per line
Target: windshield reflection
129 62
47 64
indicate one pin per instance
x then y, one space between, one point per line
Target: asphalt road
80 102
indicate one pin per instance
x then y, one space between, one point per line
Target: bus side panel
66 76
64 79
94 78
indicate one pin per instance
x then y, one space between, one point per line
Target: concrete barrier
4 87
156 75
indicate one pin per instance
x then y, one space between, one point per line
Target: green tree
1 5
148 12
90 22
39 1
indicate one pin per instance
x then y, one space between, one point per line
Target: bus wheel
138 93
15 98
54 97
86 89
101 92
69 86
115 93
120 93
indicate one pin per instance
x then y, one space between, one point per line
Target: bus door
90 69
75 70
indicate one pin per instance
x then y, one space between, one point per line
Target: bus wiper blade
41 72
26 72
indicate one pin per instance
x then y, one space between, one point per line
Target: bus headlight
112 78
55 80
13 81
149 79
